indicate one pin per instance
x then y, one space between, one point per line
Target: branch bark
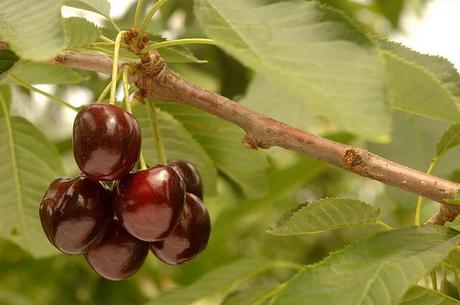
156 81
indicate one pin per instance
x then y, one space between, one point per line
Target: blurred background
239 223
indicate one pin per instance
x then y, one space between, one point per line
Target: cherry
118 255
190 175
190 236
149 203
74 213
106 141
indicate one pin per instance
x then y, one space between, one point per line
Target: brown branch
156 81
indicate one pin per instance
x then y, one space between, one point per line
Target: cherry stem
137 14
434 280
150 14
454 270
156 132
116 54
107 89
179 42
50 96
418 207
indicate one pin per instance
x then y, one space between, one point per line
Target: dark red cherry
106 141
190 236
118 255
74 213
190 175
149 203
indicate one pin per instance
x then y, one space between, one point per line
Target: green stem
150 14
115 25
116 54
137 15
50 96
179 42
268 295
434 280
107 89
126 90
106 39
418 207
156 132
386 226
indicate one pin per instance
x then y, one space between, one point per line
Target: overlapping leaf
33 29
422 84
222 142
450 139
28 162
43 73
81 32
378 270
324 215
311 52
7 60
98 6
418 295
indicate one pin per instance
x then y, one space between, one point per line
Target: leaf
43 73
252 294
222 142
7 60
311 52
28 163
421 84
179 55
33 29
418 295
324 215
5 95
450 139
179 144
81 32
220 280
378 270
98 6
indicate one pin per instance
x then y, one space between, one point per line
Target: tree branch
156 81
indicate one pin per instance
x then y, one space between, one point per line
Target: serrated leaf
33 29
81 32
179 144
28 163
418 295
98 6
421 84
222 142
43 73
220 280
7 60
378 270
325 215
310 51
449 139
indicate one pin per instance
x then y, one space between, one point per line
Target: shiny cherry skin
118 255
74 213
149 203
190 175
190 236
106 141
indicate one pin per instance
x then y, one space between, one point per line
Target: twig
157 82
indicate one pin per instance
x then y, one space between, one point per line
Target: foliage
310 64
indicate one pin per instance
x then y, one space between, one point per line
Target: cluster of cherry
159 208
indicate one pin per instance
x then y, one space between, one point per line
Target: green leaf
273 101
43 73
450 139
252 294
324 215
421 84
98 6
179 144
33 29
179 55
378 270
5 95
418 295
222 142
81 32
28 163
311 52
220 280
7 60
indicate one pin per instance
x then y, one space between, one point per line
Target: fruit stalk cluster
159 208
